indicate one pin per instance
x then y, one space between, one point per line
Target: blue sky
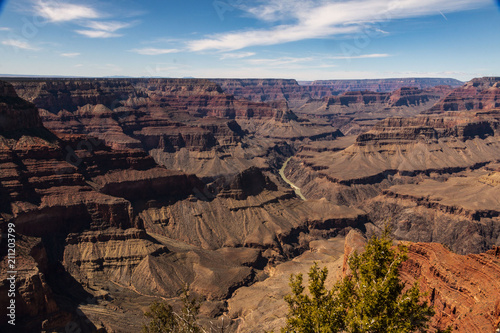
300 39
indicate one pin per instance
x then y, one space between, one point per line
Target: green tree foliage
372 299
163 319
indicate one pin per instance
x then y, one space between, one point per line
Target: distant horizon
225 78
305 40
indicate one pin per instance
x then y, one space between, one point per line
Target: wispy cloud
364 56
56 11
110 26
5 29
83 15
19 44
276 62
162 40
306 19
236 55
103 29
97 33
70 55
154 51
296 63
282 34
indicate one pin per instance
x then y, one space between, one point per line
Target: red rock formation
265 90
178 121
463 289
385 85
478 94
45 179
114 219
262 90
348 105
37 306
16 113
435 156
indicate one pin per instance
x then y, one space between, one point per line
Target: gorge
124 191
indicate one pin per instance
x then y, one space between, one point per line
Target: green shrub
371 299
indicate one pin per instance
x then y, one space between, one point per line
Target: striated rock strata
182 123
119 231
429 175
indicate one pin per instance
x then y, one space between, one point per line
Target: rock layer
116 224
178 121
423 155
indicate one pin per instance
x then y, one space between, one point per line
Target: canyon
124 191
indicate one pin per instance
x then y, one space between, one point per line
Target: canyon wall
426 175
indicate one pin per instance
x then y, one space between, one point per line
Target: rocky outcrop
421 173
182 123
266 90
350 105
357 111
53 177
38 306
477 94
273 221
16 113
429 128
460 211
385 85
297 93
117 226
423 143
462 289
261 306
247 183
133 112
155 265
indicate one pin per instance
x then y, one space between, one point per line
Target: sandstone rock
271 220
16 113
355 112
261 307
413 153
355 241
477 94
172 118
385 85
35 299
462 289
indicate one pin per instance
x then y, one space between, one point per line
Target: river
295 188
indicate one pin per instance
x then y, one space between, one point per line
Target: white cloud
70 55
364 56
110 26
5 29
281 34
56 11
292 62
278 10
82 15
154 51
97 33
279 61
78 65
307 19
19 44
236 55
102 29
